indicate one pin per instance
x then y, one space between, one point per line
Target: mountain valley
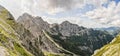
32 36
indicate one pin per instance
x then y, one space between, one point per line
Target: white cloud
109 16
80 20
56 6
38 7
97 3
50 6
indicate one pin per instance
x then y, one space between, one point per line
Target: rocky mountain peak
35 24
66 22
69 24
25 16
67 28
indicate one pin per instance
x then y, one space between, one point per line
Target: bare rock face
65 38
36 22
68 29
28 40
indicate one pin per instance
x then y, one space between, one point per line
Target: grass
111 49
17 47
21 50
52 54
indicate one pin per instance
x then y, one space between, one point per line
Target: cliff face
65 38
36 22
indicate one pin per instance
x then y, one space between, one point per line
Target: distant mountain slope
111 49
112 30
10 45
65 38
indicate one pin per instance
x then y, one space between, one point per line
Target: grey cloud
65 4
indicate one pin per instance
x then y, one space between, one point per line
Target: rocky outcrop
36 22
65 38
30 42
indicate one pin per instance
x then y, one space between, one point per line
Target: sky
87 13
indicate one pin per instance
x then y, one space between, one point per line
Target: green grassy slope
111 49
9 39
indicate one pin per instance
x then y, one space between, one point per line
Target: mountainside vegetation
111 49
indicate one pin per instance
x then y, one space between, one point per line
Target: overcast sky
88 13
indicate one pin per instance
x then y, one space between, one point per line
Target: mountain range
32 36
65 37
112 30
